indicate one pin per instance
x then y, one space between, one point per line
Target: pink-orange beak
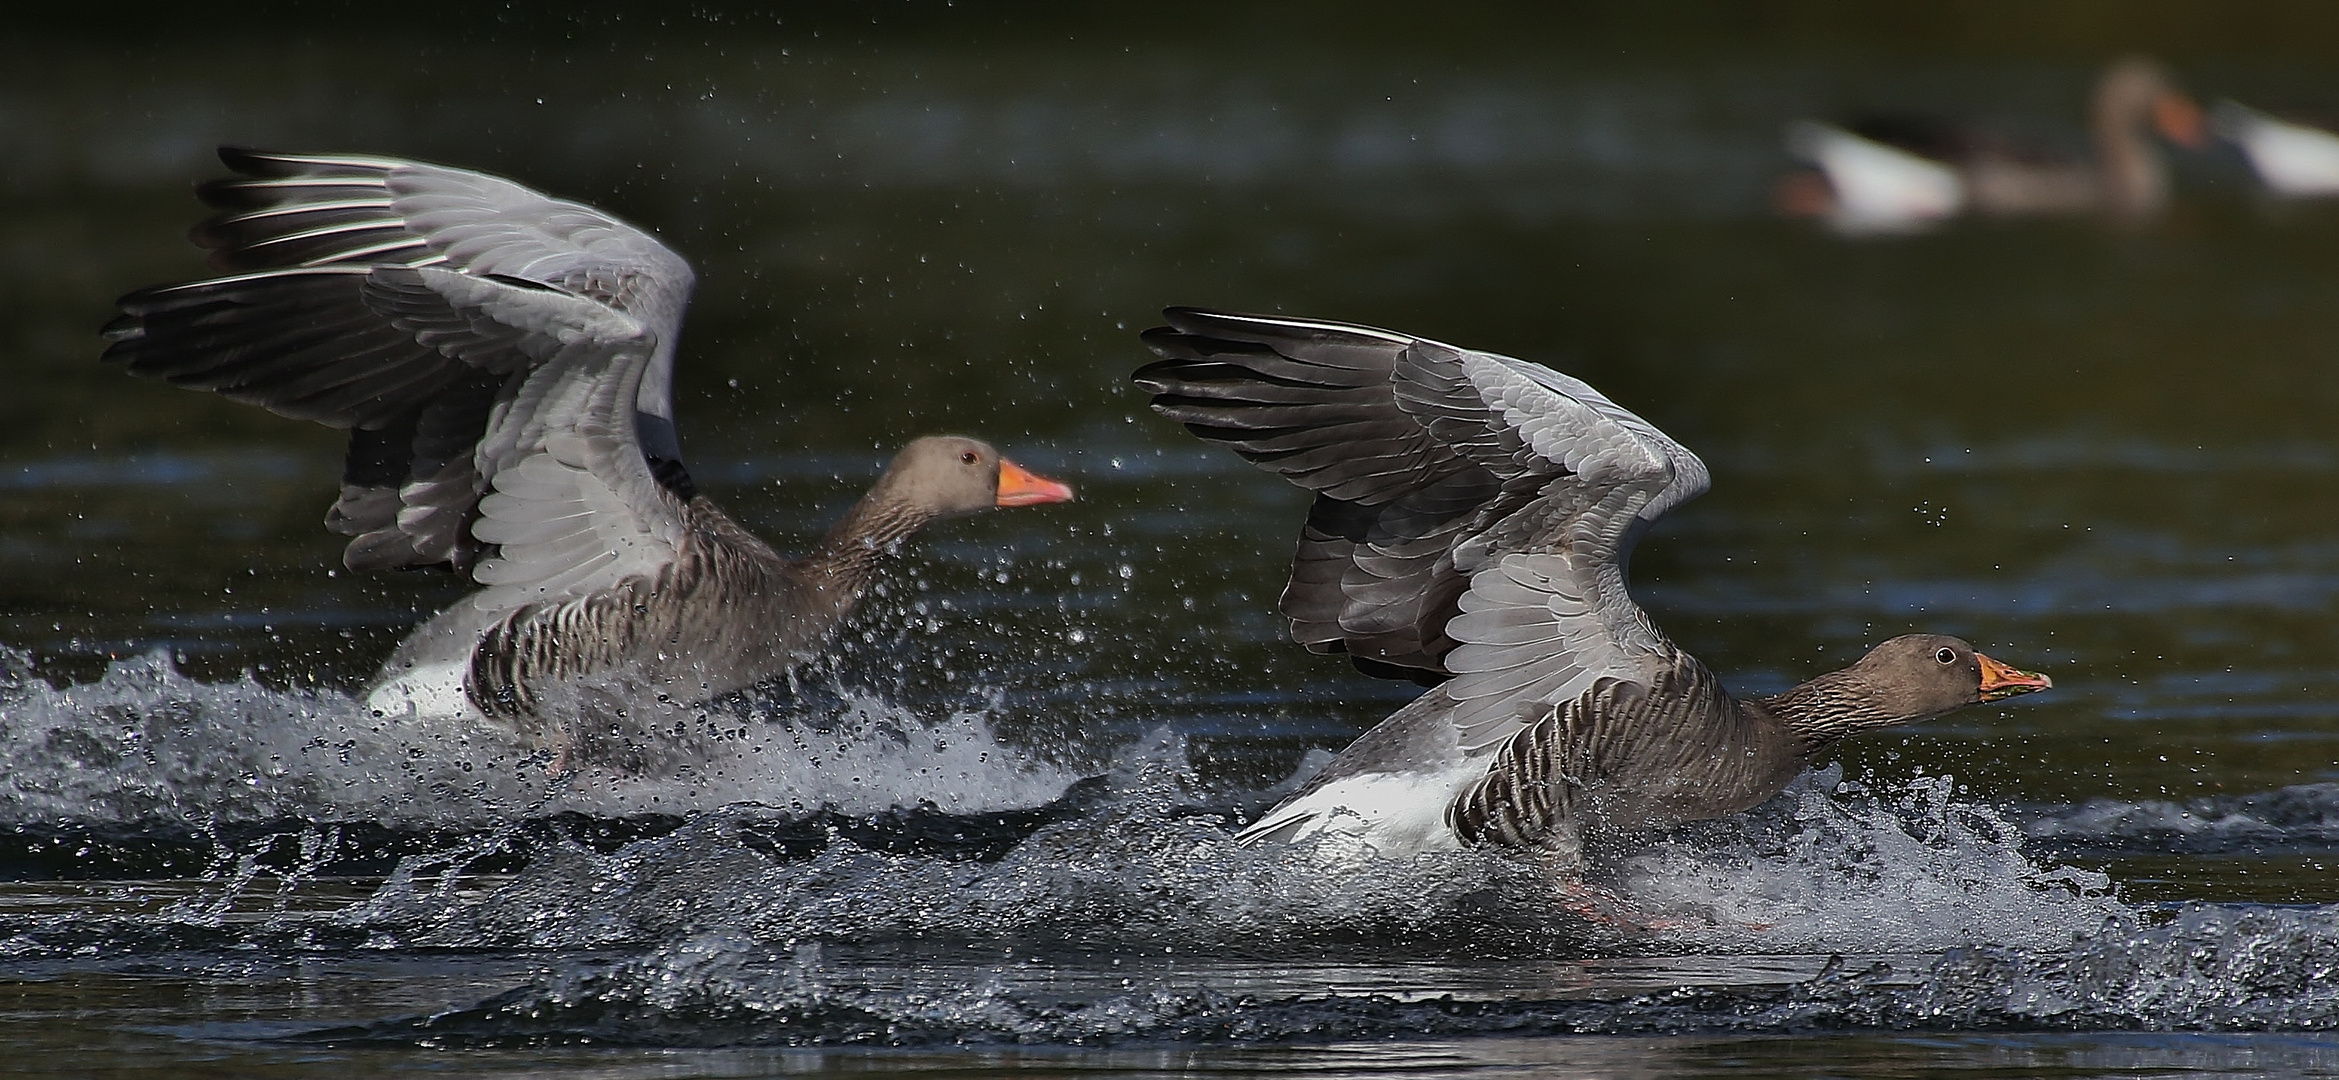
2180 120
1019 486
2000 682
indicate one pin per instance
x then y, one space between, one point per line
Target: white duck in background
1901 174
2292 160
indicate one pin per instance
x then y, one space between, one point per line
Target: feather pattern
1473 518
1473 512
305 326
503 363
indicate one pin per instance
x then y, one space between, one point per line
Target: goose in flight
1472 519
504 364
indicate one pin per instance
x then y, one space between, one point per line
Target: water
992 833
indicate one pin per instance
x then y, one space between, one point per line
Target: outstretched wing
1314 403
1473 512
351 302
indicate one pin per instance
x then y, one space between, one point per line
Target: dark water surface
994 833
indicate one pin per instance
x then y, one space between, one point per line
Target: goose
503 362
1865 186
2292 160
1472 520
1900 174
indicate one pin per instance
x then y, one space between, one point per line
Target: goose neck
1826 709
870 533
2134 178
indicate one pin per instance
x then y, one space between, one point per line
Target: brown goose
1473 516
503 362
1889 174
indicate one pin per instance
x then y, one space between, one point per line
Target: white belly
1371 815
424 691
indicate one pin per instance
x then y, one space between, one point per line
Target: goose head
1909 678
944 476
1921 676
2135 96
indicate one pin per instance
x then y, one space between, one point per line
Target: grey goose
1893 173
504 364
1472 520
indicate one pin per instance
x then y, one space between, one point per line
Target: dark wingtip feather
1161 376
1203 322
279 164
121 328
1239 325
244 159
1159 337
1187 317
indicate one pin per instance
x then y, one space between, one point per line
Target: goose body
1472 519
1901 174
1875 187
503 362
2292 160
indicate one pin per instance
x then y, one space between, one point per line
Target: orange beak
2178 118
2000 682
1018 486
1803 193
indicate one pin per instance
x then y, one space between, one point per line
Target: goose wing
503 360
1473 512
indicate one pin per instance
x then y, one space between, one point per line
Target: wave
2297 819
960 892
1142 861
2210 969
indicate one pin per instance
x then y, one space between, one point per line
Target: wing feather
323 317
1473 512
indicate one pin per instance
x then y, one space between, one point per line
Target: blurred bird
2292 160
1898 174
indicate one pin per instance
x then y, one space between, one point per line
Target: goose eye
1947 655
969 457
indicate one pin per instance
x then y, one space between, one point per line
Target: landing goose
1895 174
2292 160
503 362
1473 515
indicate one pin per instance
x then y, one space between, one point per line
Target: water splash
144 744
921 905
2212 969
1844 866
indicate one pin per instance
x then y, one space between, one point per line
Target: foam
146 744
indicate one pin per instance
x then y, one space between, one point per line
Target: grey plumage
1473 518
503 362
328 317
